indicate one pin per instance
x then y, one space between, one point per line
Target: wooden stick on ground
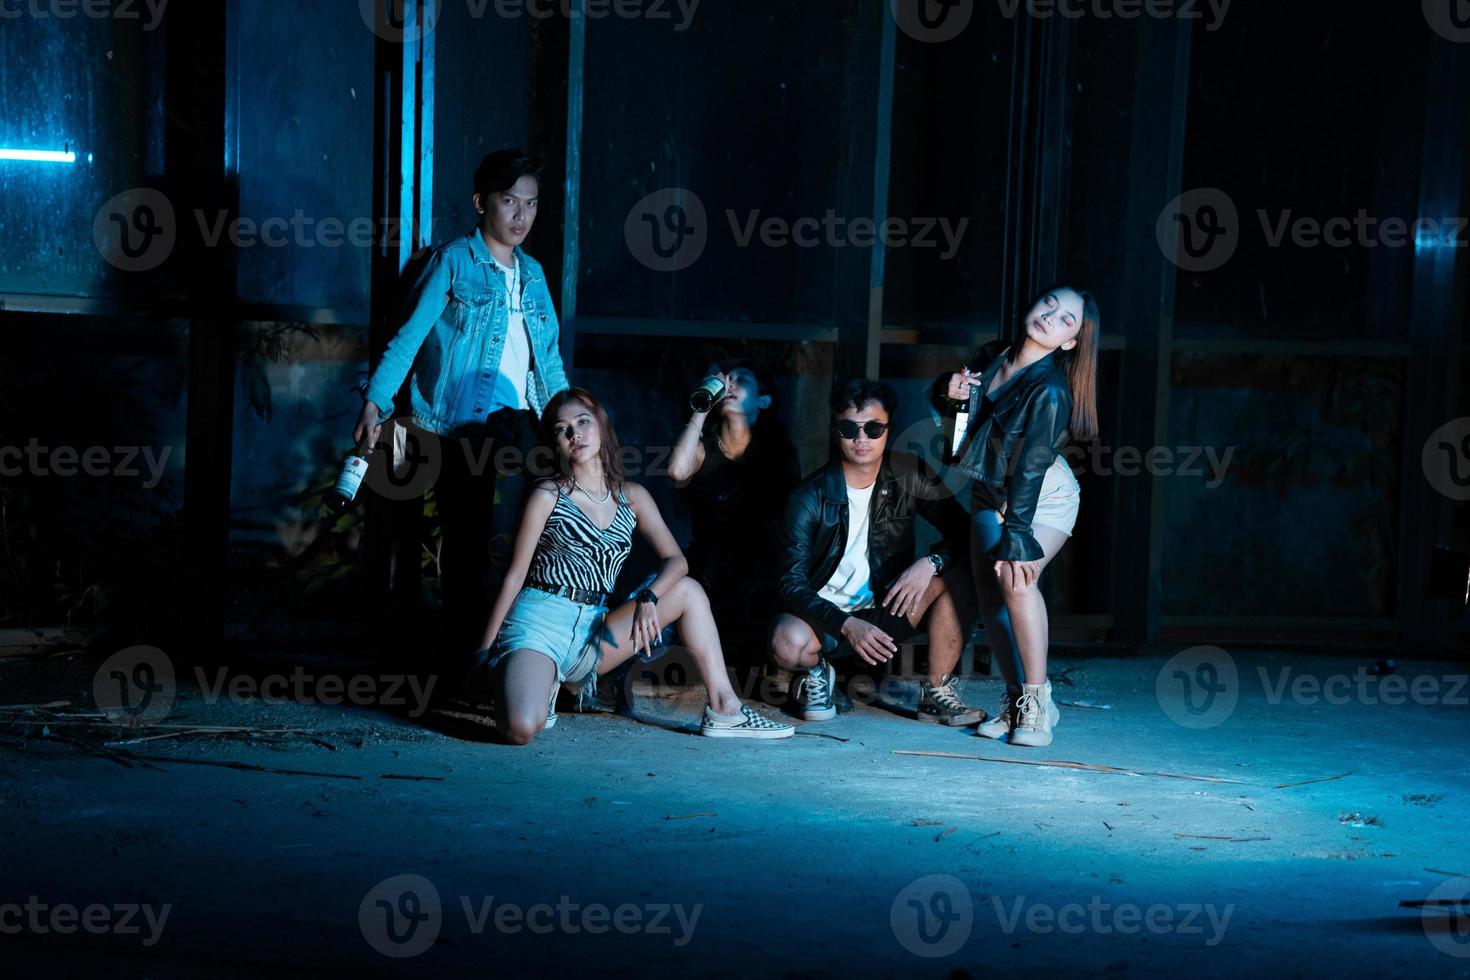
1057 764
1308 782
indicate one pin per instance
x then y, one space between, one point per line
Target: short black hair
500 170
857 392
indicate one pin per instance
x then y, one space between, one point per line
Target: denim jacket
454 335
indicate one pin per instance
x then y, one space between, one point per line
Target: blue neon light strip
39 156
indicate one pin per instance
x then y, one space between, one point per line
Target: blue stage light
38 156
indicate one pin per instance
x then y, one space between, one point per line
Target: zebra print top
574 551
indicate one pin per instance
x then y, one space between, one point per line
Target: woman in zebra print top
550 621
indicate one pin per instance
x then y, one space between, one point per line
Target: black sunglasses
848 429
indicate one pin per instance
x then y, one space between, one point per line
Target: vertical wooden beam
204 93
1053 155
1018 160
571 228
1435 323
403 139
1038 162
1155 173
423 223
859 275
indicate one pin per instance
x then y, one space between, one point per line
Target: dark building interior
237 739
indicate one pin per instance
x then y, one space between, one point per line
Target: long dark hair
610 453
1080 364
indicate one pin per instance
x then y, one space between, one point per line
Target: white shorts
1059 500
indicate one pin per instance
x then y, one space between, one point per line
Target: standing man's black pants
479 494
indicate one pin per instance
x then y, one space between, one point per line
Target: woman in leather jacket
1026 400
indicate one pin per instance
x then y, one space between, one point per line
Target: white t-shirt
515 360
851 587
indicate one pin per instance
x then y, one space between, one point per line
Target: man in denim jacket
480 349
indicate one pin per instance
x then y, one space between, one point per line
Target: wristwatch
938 564
648 596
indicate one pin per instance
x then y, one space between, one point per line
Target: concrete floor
656 852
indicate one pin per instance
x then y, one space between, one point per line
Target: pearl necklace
578 486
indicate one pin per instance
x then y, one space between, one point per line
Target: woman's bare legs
1027 607
984 533
525 680
1015 616
686 606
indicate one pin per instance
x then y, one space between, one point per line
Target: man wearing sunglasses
849 581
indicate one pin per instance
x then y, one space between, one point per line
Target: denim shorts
567 632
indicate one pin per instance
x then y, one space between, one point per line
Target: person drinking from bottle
552 622
849 579
735 467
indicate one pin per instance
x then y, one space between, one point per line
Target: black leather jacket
815 532
1009 453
